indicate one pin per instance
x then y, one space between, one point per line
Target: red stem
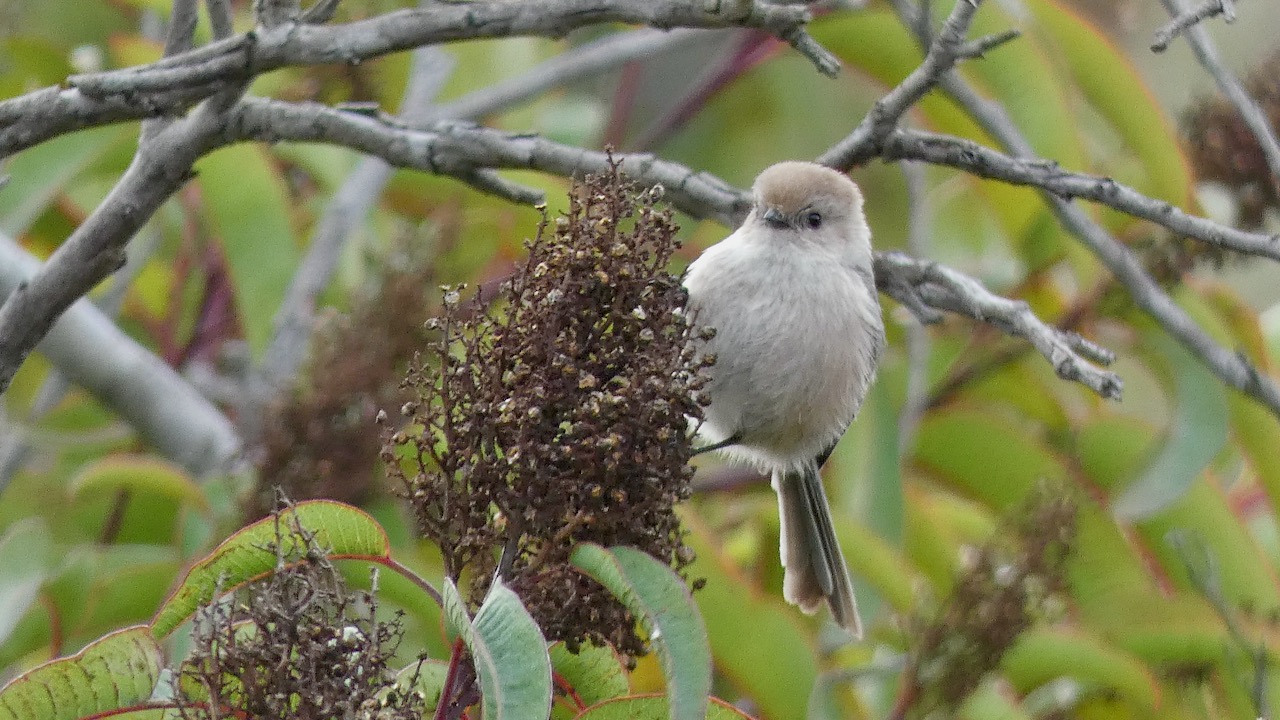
447 690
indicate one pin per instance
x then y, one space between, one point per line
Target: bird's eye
813 219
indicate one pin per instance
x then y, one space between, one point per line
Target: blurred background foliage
1171 606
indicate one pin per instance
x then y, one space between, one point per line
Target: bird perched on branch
798 332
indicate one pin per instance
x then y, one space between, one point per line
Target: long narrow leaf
510 654
656 595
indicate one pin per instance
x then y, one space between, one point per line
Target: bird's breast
797 338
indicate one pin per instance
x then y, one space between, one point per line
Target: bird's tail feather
814 567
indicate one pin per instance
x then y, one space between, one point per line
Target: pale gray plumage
792 298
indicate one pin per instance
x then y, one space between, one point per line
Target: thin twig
1049 177
589 60
1072 356
1229 366
1250 112
948 48
320 12
182 26
220 18
273 13
1186 19
351 202
290 44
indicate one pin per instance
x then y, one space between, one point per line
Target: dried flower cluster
1223 148
321 440
1007 589
297 645
559 414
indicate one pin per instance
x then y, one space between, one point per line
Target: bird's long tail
814 568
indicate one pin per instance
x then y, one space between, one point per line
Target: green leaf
94 590
122 585
250 209
1214 540
115 672
985 456
657 596
509 652
654 707
1041 655
1114 88
593 674
427 677
456 619
141 474
1198 431
882 566
1105 569
1258 434
989 703
26 559
44 170
1113 449
343 531
775 664
882 413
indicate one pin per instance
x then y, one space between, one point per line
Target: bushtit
798 333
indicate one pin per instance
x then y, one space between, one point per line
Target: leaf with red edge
591 675
341 530
116 672
144 474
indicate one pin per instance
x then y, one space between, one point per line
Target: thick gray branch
172 84
220 20
459 150
31 119
292 44
94 250
917 284
88 348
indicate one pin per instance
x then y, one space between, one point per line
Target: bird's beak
775 218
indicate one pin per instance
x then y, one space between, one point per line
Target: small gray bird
798 333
